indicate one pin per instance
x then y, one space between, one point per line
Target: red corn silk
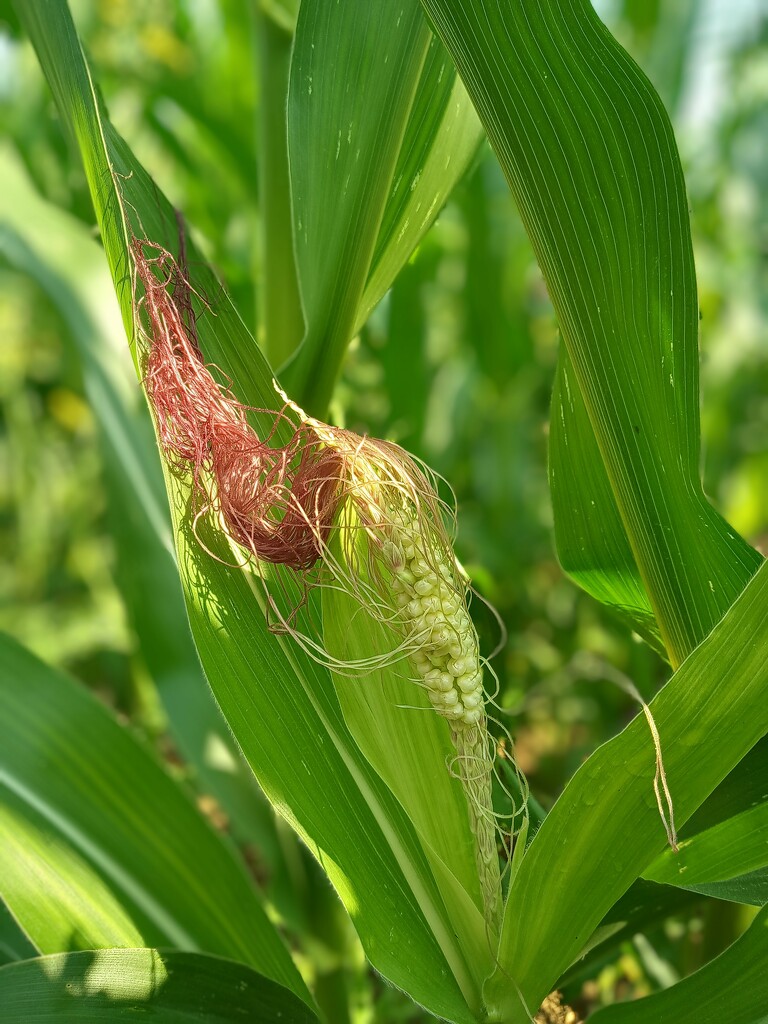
277 502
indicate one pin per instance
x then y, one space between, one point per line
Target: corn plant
339 663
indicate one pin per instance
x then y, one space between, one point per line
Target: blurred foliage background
456 363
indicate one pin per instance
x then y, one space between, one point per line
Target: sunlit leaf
590 157
442 136
379 131
127 984
101 846
410 746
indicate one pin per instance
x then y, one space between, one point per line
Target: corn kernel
468 682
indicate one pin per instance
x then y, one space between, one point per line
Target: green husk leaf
410 747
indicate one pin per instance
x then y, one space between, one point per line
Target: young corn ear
431 598
317 505
414 586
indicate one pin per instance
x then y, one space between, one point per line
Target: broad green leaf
354 72
128 984
280 705
648 902
590 157
592 545
61 899
732 988
98 841
605 828
744 788
379 131
441 139
62 256
724 846
733 848
337 802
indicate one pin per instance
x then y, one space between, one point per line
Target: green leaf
280 705
441 140
590 157
732 988
62 256
646 903
751 888
379 131
288 721
62 902
100 844
735 847
605 828
744 788
127 984
592 544
724 846
353 78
